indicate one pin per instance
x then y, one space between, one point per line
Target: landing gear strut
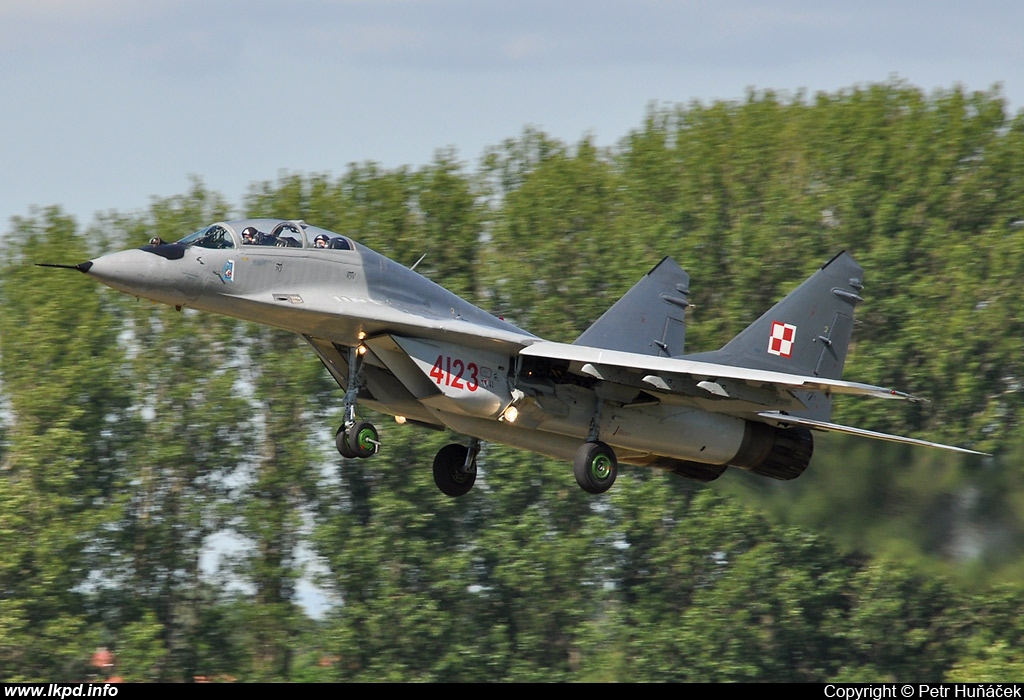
455 468
355 438
595 465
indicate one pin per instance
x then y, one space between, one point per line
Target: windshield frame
213 237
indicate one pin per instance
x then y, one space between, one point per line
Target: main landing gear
455 468
355 438
595 465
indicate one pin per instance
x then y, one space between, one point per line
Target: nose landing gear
355 438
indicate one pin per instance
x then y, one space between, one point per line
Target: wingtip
887 392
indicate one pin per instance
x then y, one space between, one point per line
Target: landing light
400 420
361 349
510 413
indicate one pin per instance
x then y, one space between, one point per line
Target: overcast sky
105 104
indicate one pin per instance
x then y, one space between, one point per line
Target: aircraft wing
724 382
658 372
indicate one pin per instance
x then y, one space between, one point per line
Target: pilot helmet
249 232
321 239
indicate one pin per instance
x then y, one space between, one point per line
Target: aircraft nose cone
127 271
143 274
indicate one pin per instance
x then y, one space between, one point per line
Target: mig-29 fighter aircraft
623 392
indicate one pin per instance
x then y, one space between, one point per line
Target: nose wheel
357 440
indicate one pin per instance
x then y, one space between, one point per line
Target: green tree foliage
994 642
710 592
277 488
63 392
559 251
185 443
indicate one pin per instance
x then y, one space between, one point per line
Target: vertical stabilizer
649 319
807 333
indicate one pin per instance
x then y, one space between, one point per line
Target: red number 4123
453 372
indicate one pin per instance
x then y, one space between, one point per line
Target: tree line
169 485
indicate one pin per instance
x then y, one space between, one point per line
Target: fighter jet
622 393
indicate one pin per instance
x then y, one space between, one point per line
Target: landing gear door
471 381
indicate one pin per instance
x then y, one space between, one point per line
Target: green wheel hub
601 467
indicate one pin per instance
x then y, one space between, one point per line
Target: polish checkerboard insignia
781 341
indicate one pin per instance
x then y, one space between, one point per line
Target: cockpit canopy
266 232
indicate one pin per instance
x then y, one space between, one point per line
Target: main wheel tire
363 439
595 467
449 474
341 442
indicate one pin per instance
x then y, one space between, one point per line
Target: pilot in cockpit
249 234
320 241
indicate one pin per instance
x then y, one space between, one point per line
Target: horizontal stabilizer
836 428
